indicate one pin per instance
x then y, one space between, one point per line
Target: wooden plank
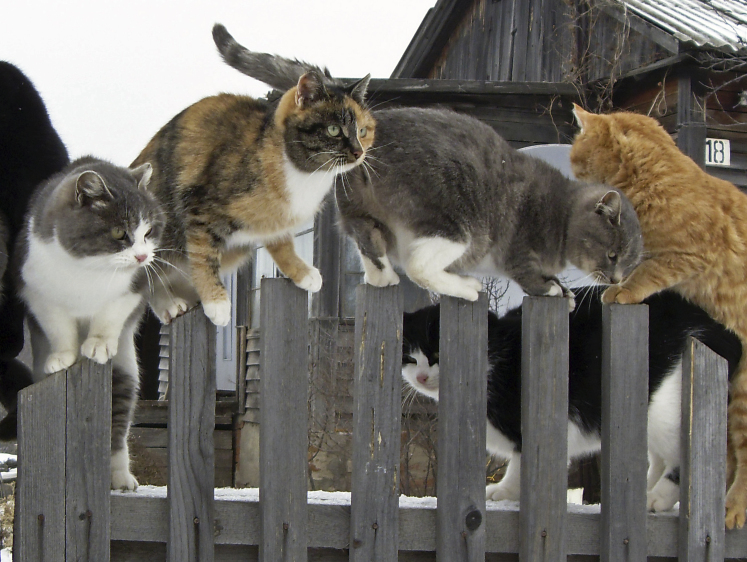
463 360
691 125
191 425
283 438
158 437
624 414
88 461
703 454
544 427
327 248
143 517
374 531
40 497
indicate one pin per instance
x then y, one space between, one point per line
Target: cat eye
333 130
408 360
612 255
118 233
363 132
150 231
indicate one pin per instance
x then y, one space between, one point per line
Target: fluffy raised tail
275 71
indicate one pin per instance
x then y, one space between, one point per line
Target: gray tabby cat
445 195
91 233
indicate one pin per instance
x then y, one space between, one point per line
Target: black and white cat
671 320
91 235
30 152
445 197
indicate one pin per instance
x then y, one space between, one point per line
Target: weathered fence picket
283 437
463 362
64 469
377 396
624 414
544 429
191 450
703 454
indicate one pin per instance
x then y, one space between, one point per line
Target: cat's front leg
533 282
509 488
204 261
106 326
666 492
301 273
61 331
369 239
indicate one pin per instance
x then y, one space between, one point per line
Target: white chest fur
82 286
306 190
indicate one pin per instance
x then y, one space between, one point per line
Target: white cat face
420 375
140 251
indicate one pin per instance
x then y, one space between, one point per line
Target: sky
112 73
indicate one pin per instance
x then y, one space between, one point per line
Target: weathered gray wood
377 391
88 461
283 438
191 426
40 495
691 125
624 417
703 454
463 361
544 428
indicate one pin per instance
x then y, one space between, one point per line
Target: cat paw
736 505
98 349
59 361
219 312
496 492
175 308
663 496
619 295
381 277
122 479
311 282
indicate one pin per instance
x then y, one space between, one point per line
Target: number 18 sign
717 152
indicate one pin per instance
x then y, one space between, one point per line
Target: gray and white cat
91 234
444 195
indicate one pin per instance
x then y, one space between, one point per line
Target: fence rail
66 512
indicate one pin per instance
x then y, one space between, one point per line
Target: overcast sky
113 72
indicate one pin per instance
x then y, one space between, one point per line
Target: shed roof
716 24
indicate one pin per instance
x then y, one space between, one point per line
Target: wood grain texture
283 437
624 416
377 412
88 461
191 450
40 493
544 427
463 365
703 454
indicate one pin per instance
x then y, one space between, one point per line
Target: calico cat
672 319
444 194
232 171
695 237
30 151
91 235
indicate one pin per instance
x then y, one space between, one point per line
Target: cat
672 319
232 171
444 194
91 235
30 152
695 237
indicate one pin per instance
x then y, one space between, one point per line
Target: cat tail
274 70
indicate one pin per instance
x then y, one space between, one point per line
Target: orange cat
695 237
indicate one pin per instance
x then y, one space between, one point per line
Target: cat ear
90 187
310 88
142 174
610 205
358 90
581 115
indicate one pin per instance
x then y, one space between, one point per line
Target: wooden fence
65 510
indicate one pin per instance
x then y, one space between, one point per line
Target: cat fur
695 238
672 321
233 171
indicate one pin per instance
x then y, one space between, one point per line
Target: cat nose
357 154
422 378
141 258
